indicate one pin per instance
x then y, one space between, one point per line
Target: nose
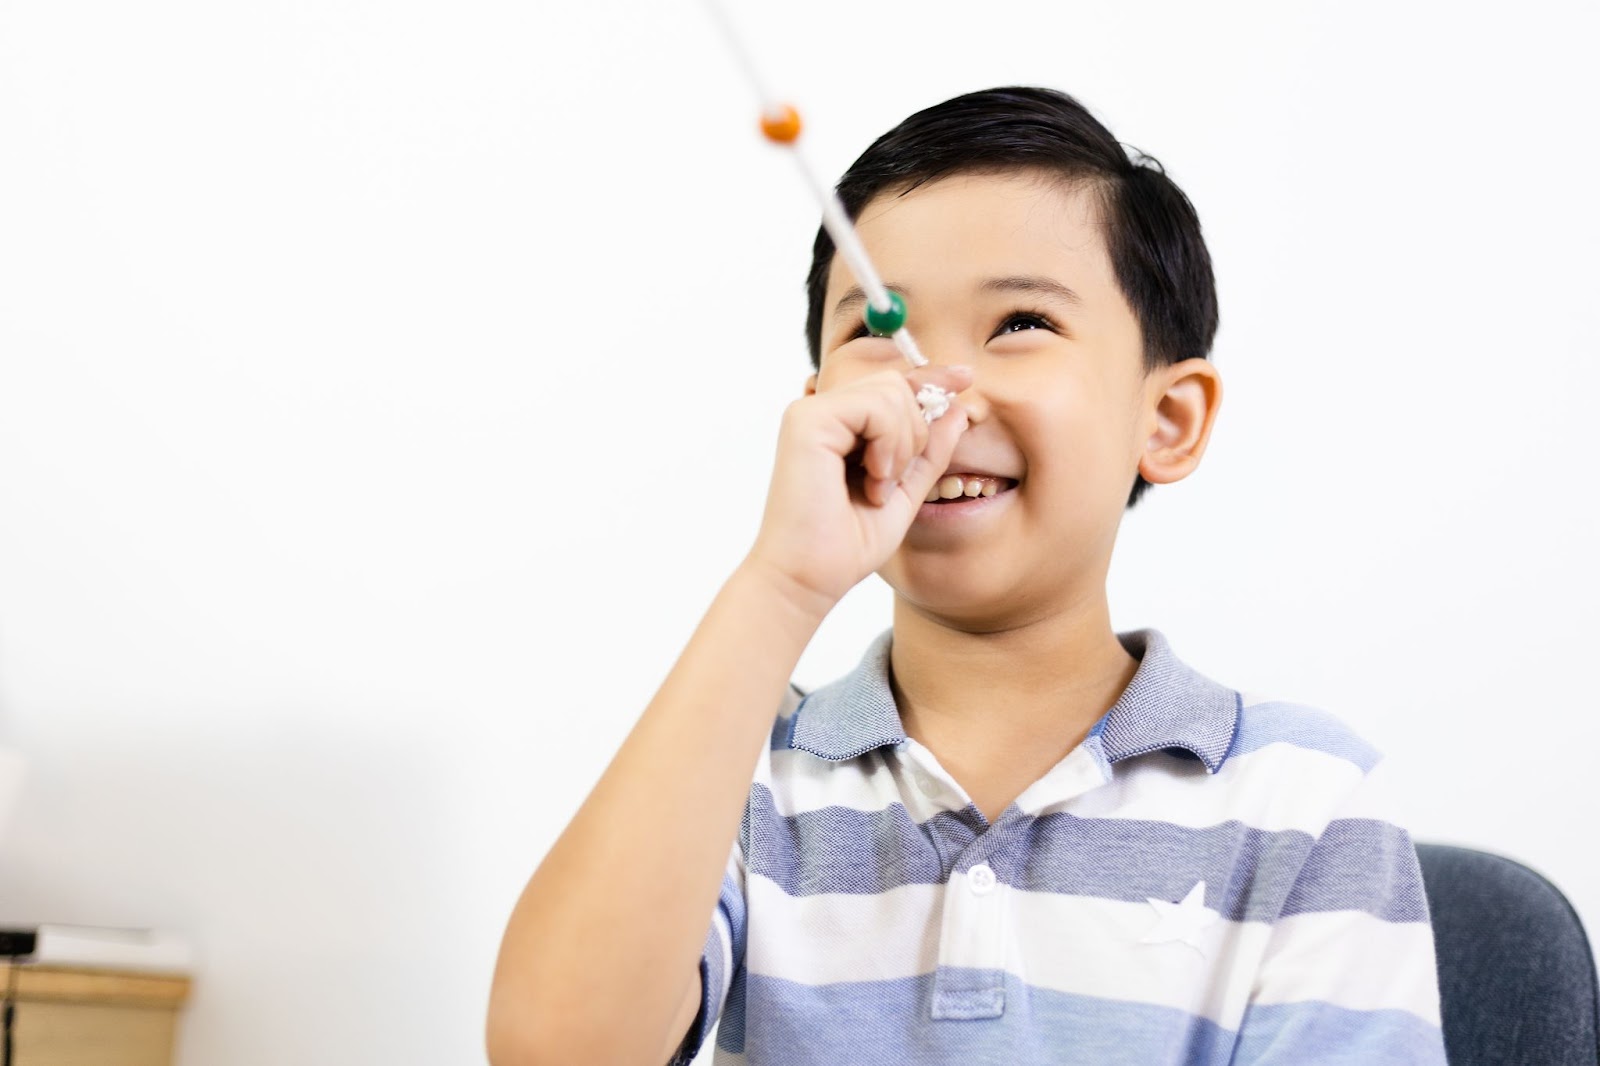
942 354
973 397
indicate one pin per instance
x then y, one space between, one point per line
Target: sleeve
722 956
1348 977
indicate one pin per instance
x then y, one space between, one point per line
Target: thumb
952 379
925 470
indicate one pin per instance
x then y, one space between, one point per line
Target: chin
974 603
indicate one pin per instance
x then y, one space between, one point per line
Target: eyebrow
1027 284
855 296
1032 285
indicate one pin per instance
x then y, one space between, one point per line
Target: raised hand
854 464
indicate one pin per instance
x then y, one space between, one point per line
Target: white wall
342 536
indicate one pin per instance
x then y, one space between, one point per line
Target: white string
770 104
908 348
848 242
834 218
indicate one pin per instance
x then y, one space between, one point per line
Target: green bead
886 323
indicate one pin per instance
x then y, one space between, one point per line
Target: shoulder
780 733
1289 756
819 774
783 721
1278 725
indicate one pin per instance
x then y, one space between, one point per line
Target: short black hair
1152 231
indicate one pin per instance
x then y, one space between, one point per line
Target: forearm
602 945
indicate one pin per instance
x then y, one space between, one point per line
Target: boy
1011 834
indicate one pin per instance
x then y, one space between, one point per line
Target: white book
103 948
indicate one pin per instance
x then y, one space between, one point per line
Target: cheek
1072 432
1044 403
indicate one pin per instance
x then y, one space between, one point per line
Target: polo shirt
1208 878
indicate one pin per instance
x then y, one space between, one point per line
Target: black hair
1152 231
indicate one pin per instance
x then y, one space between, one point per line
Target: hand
854 465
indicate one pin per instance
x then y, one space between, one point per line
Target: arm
598 962
612 923
1349 978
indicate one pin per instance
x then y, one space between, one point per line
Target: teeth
952 487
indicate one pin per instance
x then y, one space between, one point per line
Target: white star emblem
1182 921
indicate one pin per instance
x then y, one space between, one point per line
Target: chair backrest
1516 974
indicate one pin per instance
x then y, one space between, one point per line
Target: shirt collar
1166 705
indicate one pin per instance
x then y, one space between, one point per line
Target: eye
859 333
1018 321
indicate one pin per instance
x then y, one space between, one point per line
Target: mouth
956 495
955 487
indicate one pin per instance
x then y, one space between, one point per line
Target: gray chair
1516 975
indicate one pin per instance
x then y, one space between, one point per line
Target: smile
957 486
962 498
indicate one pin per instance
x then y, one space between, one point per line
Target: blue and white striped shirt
1208 878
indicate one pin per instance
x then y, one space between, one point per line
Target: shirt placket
974 935
970 980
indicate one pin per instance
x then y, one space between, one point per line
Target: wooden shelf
69 1016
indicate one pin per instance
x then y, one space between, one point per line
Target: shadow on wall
13 772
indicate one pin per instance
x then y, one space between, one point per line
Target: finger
873 422
889 460
955 378
879 458
904 446
908 444
950 379
856 419
926 468
886 458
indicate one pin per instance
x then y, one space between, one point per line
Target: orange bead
782 127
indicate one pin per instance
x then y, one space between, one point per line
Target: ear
1181 406
811 385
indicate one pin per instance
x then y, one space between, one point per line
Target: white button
927 783
981 878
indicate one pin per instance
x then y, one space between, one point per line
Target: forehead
987 225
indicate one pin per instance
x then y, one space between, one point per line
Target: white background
386 388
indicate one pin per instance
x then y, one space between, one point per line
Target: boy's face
1010 275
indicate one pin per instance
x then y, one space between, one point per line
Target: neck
1031 692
